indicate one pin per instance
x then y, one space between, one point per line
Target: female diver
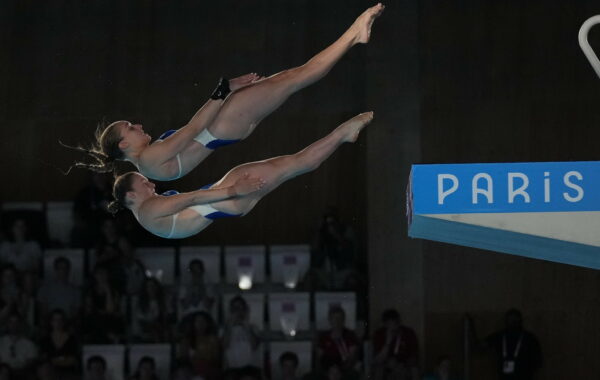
223 119
177 216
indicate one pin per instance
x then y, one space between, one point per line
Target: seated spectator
395 349
27 304
133 268
443 370
58 292
334 250
16 350
146 369
518 352
60 347
150 313
20 249
288 362
200 347
108 253
96 368
195 295
89 210
10 294
240 338
103 320
339 344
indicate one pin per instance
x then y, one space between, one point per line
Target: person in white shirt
57 292
194 294
240 338
17 350
150 312
20 250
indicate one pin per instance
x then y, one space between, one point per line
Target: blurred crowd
46 319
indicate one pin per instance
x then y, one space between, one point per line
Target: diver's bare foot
363 23
351 128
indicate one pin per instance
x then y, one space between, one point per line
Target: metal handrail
585 45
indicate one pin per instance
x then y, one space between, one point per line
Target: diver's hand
243 81
247 185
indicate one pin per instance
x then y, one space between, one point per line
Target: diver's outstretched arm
175 203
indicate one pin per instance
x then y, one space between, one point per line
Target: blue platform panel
545 210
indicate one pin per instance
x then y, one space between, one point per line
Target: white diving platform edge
542 210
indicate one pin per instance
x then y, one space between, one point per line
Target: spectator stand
245 266
288 264
289 316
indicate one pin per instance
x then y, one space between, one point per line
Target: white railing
585 45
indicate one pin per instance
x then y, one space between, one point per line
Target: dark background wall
451 81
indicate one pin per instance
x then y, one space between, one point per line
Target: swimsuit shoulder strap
179 165
173 226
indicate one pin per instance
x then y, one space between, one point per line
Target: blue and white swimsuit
206 210
205 138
